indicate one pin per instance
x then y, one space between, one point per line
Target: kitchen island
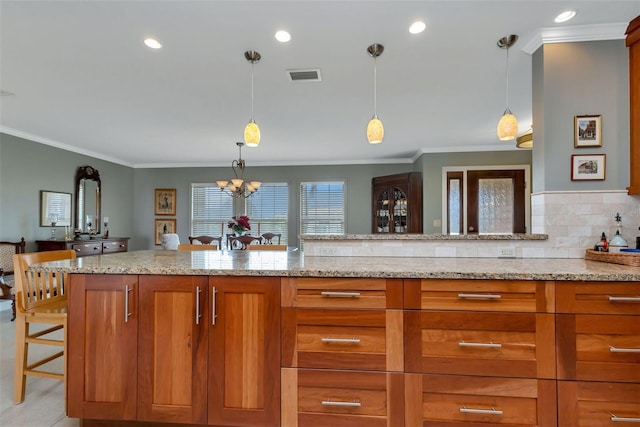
247 338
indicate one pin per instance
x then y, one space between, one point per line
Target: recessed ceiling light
152 43
417 27
283 36
565 16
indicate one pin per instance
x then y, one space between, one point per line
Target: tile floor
44 401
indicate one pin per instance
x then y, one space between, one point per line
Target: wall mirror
88 191
55 209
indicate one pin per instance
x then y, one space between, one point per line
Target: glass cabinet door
382 212
399 211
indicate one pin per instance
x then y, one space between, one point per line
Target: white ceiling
82 79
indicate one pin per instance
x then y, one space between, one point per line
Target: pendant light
375 130
526 139
252 131
508 124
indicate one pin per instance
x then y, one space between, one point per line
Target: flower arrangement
239 224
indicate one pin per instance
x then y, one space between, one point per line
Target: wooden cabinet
633 43
102 334
451 400
598 354
599 404
397 203
479 351
350 331
86 247
330 398
244 351
172 349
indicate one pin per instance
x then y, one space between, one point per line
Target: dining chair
241 242
40 299
206 240
7 251
191 247
268 238
266 247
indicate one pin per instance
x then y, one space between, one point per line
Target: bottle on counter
602 245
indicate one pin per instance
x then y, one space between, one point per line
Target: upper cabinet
397 203
633 43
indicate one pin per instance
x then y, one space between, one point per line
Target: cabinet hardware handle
613 349
479 344
479 296
491 411
127 289
213 305
340 294
198 315
624 299
353 404
616 418
342 340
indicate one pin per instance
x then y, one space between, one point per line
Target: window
211 209
486 200
268 209
322 207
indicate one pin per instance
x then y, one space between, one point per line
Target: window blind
211 209
322 207
269 207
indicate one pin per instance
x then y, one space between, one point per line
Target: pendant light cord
507 74
375 86
252 63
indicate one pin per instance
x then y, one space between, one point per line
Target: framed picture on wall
587 131
165 201
55 209
164 226
587 167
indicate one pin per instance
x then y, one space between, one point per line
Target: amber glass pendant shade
507 127
375 131
252 134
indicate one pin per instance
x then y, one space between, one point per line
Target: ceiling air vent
312 75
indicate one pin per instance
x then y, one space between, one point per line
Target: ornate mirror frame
83 175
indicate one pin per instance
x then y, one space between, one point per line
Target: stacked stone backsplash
575 220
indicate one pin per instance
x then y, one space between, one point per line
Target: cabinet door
102 346
244 351
172 359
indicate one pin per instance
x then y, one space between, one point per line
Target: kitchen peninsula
245 338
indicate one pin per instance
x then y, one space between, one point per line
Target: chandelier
237 187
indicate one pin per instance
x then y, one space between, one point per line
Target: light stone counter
295 264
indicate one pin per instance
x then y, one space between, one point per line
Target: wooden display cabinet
397 203
633 43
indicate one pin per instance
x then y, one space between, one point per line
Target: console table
87 247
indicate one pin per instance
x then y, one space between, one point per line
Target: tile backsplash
572 220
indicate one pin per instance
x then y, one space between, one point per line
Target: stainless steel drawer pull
340 294
615 418
127 289
213 305
479 296
624 299
613 349
198 315
491 411
479 344
342 340
352 404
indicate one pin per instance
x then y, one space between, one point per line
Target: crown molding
577 33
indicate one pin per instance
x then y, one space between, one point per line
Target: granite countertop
295 264
418 236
